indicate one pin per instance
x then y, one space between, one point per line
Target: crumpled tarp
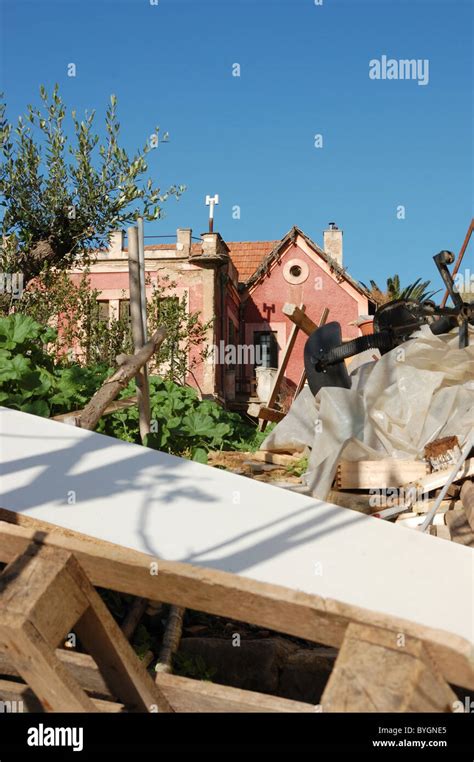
418 392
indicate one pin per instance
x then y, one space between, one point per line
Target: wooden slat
370 474
56 689
270 414
302 381
184 694
321 620
19 692
299 318
467 500
280 374
187 695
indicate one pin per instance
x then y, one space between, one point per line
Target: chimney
115 244
213 245
333 242
183 242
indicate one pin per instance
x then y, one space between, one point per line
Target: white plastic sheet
418 392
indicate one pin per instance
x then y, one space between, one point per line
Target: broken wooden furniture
234 547
44 593
384 664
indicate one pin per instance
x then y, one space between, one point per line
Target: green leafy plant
417 291
188 665
26 370
182 424
29 378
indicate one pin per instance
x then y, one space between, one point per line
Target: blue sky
304 70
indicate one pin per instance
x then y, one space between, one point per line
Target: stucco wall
320 289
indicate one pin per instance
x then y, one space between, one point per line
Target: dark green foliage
181 424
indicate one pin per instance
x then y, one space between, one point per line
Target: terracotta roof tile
247 255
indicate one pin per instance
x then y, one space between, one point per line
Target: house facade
240 289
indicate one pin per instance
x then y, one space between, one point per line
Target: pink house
241 288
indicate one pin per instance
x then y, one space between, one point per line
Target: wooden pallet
384 664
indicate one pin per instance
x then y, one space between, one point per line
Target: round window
296 271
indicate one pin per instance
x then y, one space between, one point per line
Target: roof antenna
211 201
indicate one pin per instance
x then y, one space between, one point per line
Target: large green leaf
15 329
37 407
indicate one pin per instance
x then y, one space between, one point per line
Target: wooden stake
138 329
171 639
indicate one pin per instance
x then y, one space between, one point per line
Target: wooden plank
26 701
376 671
278 459
270 414
302 381
459 528
39 666
280 374
44 593
321 620
123 671
218 522
36 586
188 695
378 474
467 500
299 318
184 694
438 478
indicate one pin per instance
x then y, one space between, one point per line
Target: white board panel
179 510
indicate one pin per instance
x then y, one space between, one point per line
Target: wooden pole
138 332
141 259
457 264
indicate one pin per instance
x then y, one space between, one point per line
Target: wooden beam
19 692
44 592
467 500
301 382
370 474
281 372
270 414
183 693
320 620
378 671
459 259
299 318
